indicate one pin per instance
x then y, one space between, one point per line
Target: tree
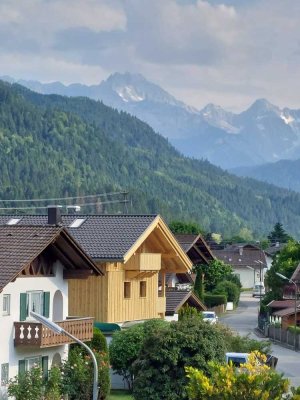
198 285
278 234
230 289
285 263
253 381
214 272
179 227
159 369
126 345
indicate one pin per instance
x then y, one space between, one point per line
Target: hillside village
112 272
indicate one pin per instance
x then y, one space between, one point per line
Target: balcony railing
30 333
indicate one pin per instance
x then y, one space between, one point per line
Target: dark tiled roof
106 237
282 303
20 245
241 256
195 247
275 248
176 298
285 312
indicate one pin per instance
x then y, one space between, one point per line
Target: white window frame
29 302
6 304
4 379
32 361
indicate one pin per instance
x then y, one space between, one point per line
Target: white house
35 265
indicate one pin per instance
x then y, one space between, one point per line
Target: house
248 262
132 250
36 264
198 252
180 298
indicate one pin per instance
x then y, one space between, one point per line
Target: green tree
198 285
230 289
214 272
278 234
285 263
126 345
159 369
179 227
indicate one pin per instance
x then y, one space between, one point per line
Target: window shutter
23 306
45 367
46 304
22 367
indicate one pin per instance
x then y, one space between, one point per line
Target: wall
10 354
246 275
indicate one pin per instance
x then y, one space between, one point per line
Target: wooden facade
129 289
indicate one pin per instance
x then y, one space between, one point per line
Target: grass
119 395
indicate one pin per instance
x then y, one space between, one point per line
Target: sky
228 52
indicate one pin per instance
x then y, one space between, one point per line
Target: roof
116 237
285 312
196 248
296 275
101 236
275 248
175 299
242 256
282 303
21 245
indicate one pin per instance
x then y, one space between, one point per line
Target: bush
188 312
230 290
53 388
225 382
213 300
126 345
27 386
159 369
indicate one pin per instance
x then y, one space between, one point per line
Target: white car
210 316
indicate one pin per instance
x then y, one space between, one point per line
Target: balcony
30 333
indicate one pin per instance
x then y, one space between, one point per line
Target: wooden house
132 251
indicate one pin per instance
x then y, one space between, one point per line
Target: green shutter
46 304
23 306
22 367
45 367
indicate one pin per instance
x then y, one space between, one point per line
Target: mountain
54 146
283 173
225 139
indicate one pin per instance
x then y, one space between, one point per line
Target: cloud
200 50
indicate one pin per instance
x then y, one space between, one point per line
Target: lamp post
295 319
260 279
58 329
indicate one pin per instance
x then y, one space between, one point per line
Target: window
6 304
143 289
32 362
36 361
127 287
4 374
13 221
35 302
77 222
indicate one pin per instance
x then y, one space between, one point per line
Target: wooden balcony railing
30 333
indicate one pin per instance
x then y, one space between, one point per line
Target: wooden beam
77 273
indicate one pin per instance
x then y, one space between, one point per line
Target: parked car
210 316
258 289
241 358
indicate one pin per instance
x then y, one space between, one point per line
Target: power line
64 198
81 205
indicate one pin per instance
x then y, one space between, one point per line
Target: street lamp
295 319
260 278
58 329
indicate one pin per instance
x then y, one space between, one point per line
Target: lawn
119 395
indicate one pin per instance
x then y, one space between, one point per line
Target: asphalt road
244 321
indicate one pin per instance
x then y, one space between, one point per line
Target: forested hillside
58 146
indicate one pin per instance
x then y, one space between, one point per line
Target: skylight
13 221
77 223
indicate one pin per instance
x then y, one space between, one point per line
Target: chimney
241 251
277 244
54 216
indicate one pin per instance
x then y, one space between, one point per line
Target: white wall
247 276
9 353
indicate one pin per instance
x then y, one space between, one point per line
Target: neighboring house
271 252
36 264
248 262
132 250
180 298
283 312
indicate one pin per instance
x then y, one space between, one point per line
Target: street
244 321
